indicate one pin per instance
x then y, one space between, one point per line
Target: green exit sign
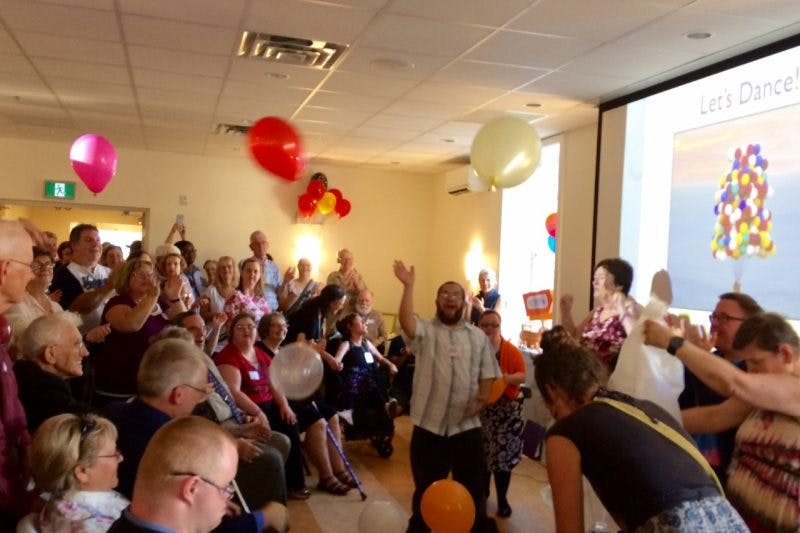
64 190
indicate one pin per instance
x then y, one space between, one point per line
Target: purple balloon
94 160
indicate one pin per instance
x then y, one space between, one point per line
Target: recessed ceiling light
533 104
448 140
698 35
390 64
277 75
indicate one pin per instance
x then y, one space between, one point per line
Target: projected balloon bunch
318 198
743 221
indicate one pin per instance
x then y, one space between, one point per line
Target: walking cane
339 449
240 497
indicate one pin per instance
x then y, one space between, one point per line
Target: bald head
16 253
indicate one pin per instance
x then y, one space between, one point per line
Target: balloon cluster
94 160
505 152
277 147
743 222
447 506
551 225
318 198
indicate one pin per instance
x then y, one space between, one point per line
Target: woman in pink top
249 296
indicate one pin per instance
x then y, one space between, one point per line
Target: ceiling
417 80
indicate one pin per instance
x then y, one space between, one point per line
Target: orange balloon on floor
447 507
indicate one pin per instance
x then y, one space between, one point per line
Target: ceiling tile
180 36
27 90
493 75
153 96
266 92
530 50
409 34
108 5
59 68
585 87
354 83
463 11
579 18
242 110
324 115
64 21
7 44
432 110
452 94
779 10
87 93
369 60
320 21
15 64
177 82
257 71
211 12
627 61
418 124
345 101
391 133
87 50
178 62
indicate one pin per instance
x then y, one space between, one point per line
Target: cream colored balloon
505 152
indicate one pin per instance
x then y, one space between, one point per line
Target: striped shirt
450 362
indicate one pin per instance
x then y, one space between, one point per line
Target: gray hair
46 331
488 272
168 363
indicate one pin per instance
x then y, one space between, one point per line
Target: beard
363 309
449 319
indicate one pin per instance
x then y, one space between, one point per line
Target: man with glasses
16 255
52 351
455 369
185 481
731 310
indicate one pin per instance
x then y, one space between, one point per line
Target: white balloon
381 517
296 371
505 152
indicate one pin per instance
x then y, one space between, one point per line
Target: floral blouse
604 337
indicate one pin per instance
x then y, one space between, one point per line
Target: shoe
503 511
333 486
299 494
393 408
345 478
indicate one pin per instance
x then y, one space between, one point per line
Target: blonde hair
167 364
63 442
226 259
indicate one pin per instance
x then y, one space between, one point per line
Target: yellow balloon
327 203
505 152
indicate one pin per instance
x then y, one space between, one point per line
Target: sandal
333 486
345 478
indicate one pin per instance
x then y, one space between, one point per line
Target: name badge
254 375
368 358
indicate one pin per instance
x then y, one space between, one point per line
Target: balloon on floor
447 507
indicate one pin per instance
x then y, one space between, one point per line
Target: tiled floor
389 480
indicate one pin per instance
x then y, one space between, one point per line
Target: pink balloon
94 160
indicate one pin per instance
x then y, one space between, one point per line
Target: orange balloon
447 507
326 204
498 387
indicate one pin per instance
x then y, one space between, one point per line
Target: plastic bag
646 372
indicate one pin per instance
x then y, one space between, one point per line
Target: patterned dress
764 479
605 337
257 306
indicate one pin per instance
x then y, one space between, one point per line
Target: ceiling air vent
231 129
290 50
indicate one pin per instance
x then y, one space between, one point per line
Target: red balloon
342 207
316 189
551 223
277 147
306 205
337 193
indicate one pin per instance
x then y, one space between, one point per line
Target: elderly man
271 274
455 370
262 452
731 310
348 277
16 255
52 350
185 480
373 320
172 381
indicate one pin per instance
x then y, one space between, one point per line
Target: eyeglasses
116 455
245 327
227 491
724 318
204 392
490 325
29 265
36 266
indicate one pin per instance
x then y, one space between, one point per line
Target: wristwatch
674 345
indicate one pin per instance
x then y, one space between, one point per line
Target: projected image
735 211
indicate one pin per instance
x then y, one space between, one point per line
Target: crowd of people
138 389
